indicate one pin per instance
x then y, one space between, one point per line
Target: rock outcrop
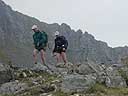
66 79
77 83
6 74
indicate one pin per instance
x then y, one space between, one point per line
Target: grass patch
59 93
7 95
49 78
124 75
33 90
99 89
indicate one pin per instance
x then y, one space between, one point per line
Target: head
35 28
57 33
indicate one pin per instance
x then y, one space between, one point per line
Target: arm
34 40
54 46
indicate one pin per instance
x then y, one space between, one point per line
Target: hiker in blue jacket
40 43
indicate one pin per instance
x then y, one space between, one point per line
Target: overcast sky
107 20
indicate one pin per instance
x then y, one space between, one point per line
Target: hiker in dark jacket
40 43
60 48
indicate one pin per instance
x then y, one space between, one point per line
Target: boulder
77 83
12 87
111 78
84 69
115 82
114 79
6 74
41 68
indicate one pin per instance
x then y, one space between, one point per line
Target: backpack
64 42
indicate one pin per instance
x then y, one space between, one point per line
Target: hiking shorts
59 50
40 48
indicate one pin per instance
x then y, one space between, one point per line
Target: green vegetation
45 79
124 75
59 93
124 60
101 90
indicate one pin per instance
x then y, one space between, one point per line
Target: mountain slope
16 41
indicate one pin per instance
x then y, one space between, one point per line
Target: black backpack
65 41
62 41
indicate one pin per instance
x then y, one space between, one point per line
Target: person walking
40 43
60 48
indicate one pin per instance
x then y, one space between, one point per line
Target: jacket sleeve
55 46
34 41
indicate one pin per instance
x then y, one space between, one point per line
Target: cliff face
16 40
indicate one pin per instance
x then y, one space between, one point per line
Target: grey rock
44 94
42 68
60 65
89 68
115 82
12 87
6 74
77 83
65 69
37 80
39 67
110 71
114 79
111 78
84 69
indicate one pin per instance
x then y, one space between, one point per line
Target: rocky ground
71 80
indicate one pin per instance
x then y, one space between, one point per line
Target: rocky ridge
16 41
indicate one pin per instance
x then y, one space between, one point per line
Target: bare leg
58 57
35 52
42 53
64 57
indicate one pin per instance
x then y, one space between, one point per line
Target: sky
106 20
